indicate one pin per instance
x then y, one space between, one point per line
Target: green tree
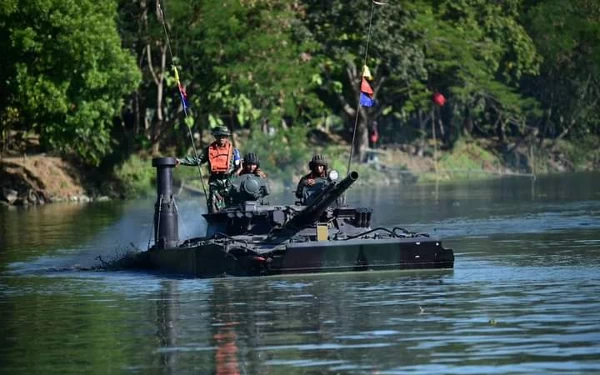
157 110
472 50
64 73
241 63
395 57
259 67
567 35
477 52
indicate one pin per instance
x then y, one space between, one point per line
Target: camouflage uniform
219 184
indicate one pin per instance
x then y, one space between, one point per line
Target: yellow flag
367 73
176 74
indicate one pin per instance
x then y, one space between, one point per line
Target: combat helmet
252 158
317 160
221 130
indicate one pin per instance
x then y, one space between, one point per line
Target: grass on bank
135 177
285 161
466 160
286 165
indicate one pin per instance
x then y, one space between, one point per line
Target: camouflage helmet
221 130
317 160
251 158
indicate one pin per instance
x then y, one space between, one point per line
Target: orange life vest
219 158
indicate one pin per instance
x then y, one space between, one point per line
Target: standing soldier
223 163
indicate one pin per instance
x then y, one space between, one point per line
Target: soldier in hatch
223 163
251 172
251 164
318 169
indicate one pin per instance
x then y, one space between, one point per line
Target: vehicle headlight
333 175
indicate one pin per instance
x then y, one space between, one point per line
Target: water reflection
384 323
478 199
521 299
37 229
478 318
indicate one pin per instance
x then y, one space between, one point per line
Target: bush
583 152
338 160
135 177
464 159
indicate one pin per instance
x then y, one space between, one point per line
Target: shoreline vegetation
445 90
39 179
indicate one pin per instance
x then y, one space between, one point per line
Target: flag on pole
182 93
366 94
184 97
367 73
366 88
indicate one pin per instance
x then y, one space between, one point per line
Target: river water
523 297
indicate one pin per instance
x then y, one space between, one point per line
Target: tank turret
248 187
311 213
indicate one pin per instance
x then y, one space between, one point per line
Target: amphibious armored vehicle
317 234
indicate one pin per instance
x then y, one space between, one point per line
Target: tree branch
150 67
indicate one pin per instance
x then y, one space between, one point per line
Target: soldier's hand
310 182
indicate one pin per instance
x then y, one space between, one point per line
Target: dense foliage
63 74
512 71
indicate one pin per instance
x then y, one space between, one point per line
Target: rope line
181 95
373 2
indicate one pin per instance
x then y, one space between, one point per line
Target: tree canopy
86 76
64 73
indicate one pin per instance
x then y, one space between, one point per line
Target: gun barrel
315 209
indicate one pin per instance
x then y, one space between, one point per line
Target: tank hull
215 260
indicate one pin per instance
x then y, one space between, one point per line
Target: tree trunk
361 138
422 132
500 129
159 79
434 142
468 129
158 124
441 125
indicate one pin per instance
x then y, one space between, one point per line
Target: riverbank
40 179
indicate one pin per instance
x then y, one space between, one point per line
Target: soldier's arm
236 162
193 160
301 185
260 173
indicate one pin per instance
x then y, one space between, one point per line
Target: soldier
251 164
318 169
252 183
223 163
